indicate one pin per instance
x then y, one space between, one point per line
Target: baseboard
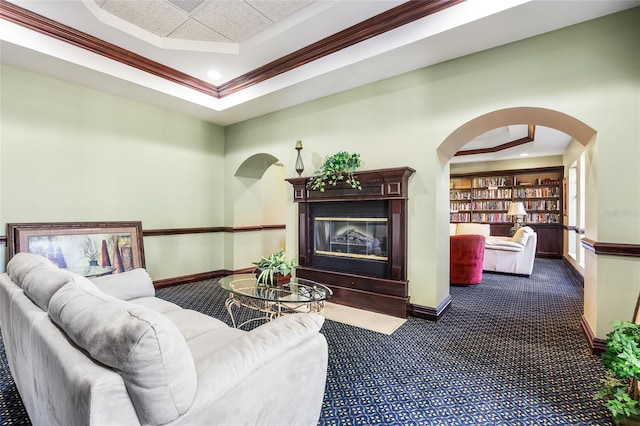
574 271
596 345
186 279
428 312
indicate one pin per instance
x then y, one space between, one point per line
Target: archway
575 128
518 115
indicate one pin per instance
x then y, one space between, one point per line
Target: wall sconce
299 164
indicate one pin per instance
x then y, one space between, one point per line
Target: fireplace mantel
376 184
356 280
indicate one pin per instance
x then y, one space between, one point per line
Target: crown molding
531 134
25 18
379 24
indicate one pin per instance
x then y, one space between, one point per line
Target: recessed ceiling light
524 154
214 75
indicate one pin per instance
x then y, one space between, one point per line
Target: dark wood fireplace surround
388 294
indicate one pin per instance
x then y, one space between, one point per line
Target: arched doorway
518 115
573 127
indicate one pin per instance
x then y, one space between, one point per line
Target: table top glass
296 290
92 271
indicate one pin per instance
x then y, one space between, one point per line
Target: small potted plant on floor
274 269
622 360
339 167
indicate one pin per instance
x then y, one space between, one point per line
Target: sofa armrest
126 285
274 374
241 357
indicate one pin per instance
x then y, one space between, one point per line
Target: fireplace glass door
351 237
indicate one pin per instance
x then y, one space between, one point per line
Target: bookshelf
484 197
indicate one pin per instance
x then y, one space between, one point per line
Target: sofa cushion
144 346
22 263
502 243
38 277
505 247
43 282
126 285
522 235
473 228
156 304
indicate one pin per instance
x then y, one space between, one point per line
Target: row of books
490 217
537 192
536 205
460 217
490 205
502 217
492 193
462 207
490 182
543 218
460 195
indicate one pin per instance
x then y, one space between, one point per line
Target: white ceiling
234 37
546 142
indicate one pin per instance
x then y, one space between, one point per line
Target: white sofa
511 255
108 352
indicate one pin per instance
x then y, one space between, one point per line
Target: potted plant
339 167
275 268
622 360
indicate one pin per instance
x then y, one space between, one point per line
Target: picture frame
91 249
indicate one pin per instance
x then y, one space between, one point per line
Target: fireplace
355 241
351 237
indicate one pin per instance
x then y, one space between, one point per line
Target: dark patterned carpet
510 351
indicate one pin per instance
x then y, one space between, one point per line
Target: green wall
590 72
69 153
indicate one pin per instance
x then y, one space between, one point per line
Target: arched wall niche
259 194
255 166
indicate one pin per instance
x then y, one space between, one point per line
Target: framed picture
89 248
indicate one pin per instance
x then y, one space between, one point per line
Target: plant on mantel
339 167
622 360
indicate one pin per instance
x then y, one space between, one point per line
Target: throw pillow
522 235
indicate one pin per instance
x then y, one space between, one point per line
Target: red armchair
466 254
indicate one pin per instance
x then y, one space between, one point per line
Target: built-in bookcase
485 198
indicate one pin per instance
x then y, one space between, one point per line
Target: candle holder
299 163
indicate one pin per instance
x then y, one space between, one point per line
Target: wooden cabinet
485 197
549 240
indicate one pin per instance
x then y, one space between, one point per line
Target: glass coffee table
298 295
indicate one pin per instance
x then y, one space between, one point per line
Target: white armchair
511 255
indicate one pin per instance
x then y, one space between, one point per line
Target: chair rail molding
611 249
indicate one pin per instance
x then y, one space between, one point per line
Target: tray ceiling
227 61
